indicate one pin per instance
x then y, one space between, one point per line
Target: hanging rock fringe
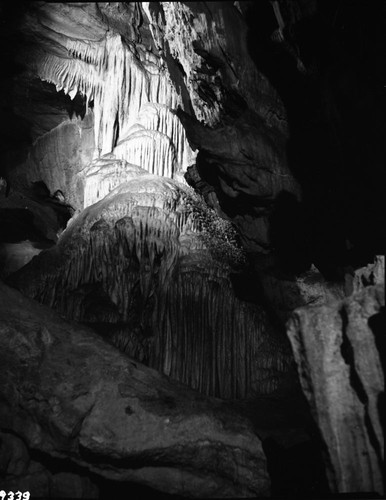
133 102
135 266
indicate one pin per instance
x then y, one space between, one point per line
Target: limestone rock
20 472
70 395
338 351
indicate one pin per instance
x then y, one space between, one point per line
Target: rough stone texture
285 293
242 162
70 395
21 473
338 351
372 274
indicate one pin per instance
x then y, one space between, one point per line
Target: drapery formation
149 266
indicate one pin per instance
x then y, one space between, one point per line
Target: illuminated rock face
133 101
57 157
134 69
149 267
338 349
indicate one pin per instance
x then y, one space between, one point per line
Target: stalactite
151 150
133 106
164 120
104 175
70 75
110 73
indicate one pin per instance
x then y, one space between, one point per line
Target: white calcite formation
149 265
133 101
147 262
105 174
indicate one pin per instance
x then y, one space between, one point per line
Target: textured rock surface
285 293
70 395
150 266
56 158
243 164
339 353
21 473
372 274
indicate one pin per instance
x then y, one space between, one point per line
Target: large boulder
70 395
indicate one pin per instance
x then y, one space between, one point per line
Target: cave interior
194 189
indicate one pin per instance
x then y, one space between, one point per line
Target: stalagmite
151 263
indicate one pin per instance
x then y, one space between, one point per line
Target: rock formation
338 351
180 177
67 393
150 266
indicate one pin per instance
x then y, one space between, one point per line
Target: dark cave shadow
377 324
296 472
107 488
288 234
17 224
334 120
20 224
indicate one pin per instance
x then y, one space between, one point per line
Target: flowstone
150 268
